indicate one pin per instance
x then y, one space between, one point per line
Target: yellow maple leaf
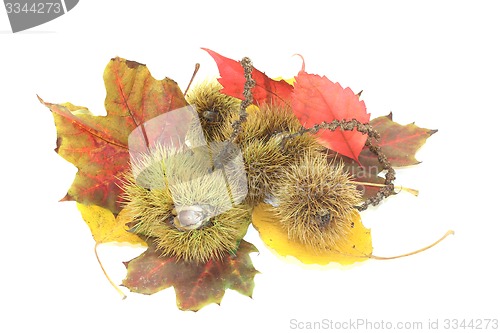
356 247
106 228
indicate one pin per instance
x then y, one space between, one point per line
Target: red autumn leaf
316 99
398 142
266 90
195 284
98 145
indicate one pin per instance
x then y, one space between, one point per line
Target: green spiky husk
180 180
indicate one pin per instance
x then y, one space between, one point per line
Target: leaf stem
448 233
401 188
122 294
196 68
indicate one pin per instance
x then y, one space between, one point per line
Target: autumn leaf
105 227
316 99
266 90
196 284
355 247
398 142
98 145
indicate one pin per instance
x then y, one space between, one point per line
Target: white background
435 63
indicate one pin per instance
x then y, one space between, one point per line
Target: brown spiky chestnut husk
315 201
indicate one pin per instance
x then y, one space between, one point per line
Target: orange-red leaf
196 285
316 99
266 90
98 145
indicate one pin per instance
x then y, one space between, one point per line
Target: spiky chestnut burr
269 121
264 155
315 201
183 206
213 107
